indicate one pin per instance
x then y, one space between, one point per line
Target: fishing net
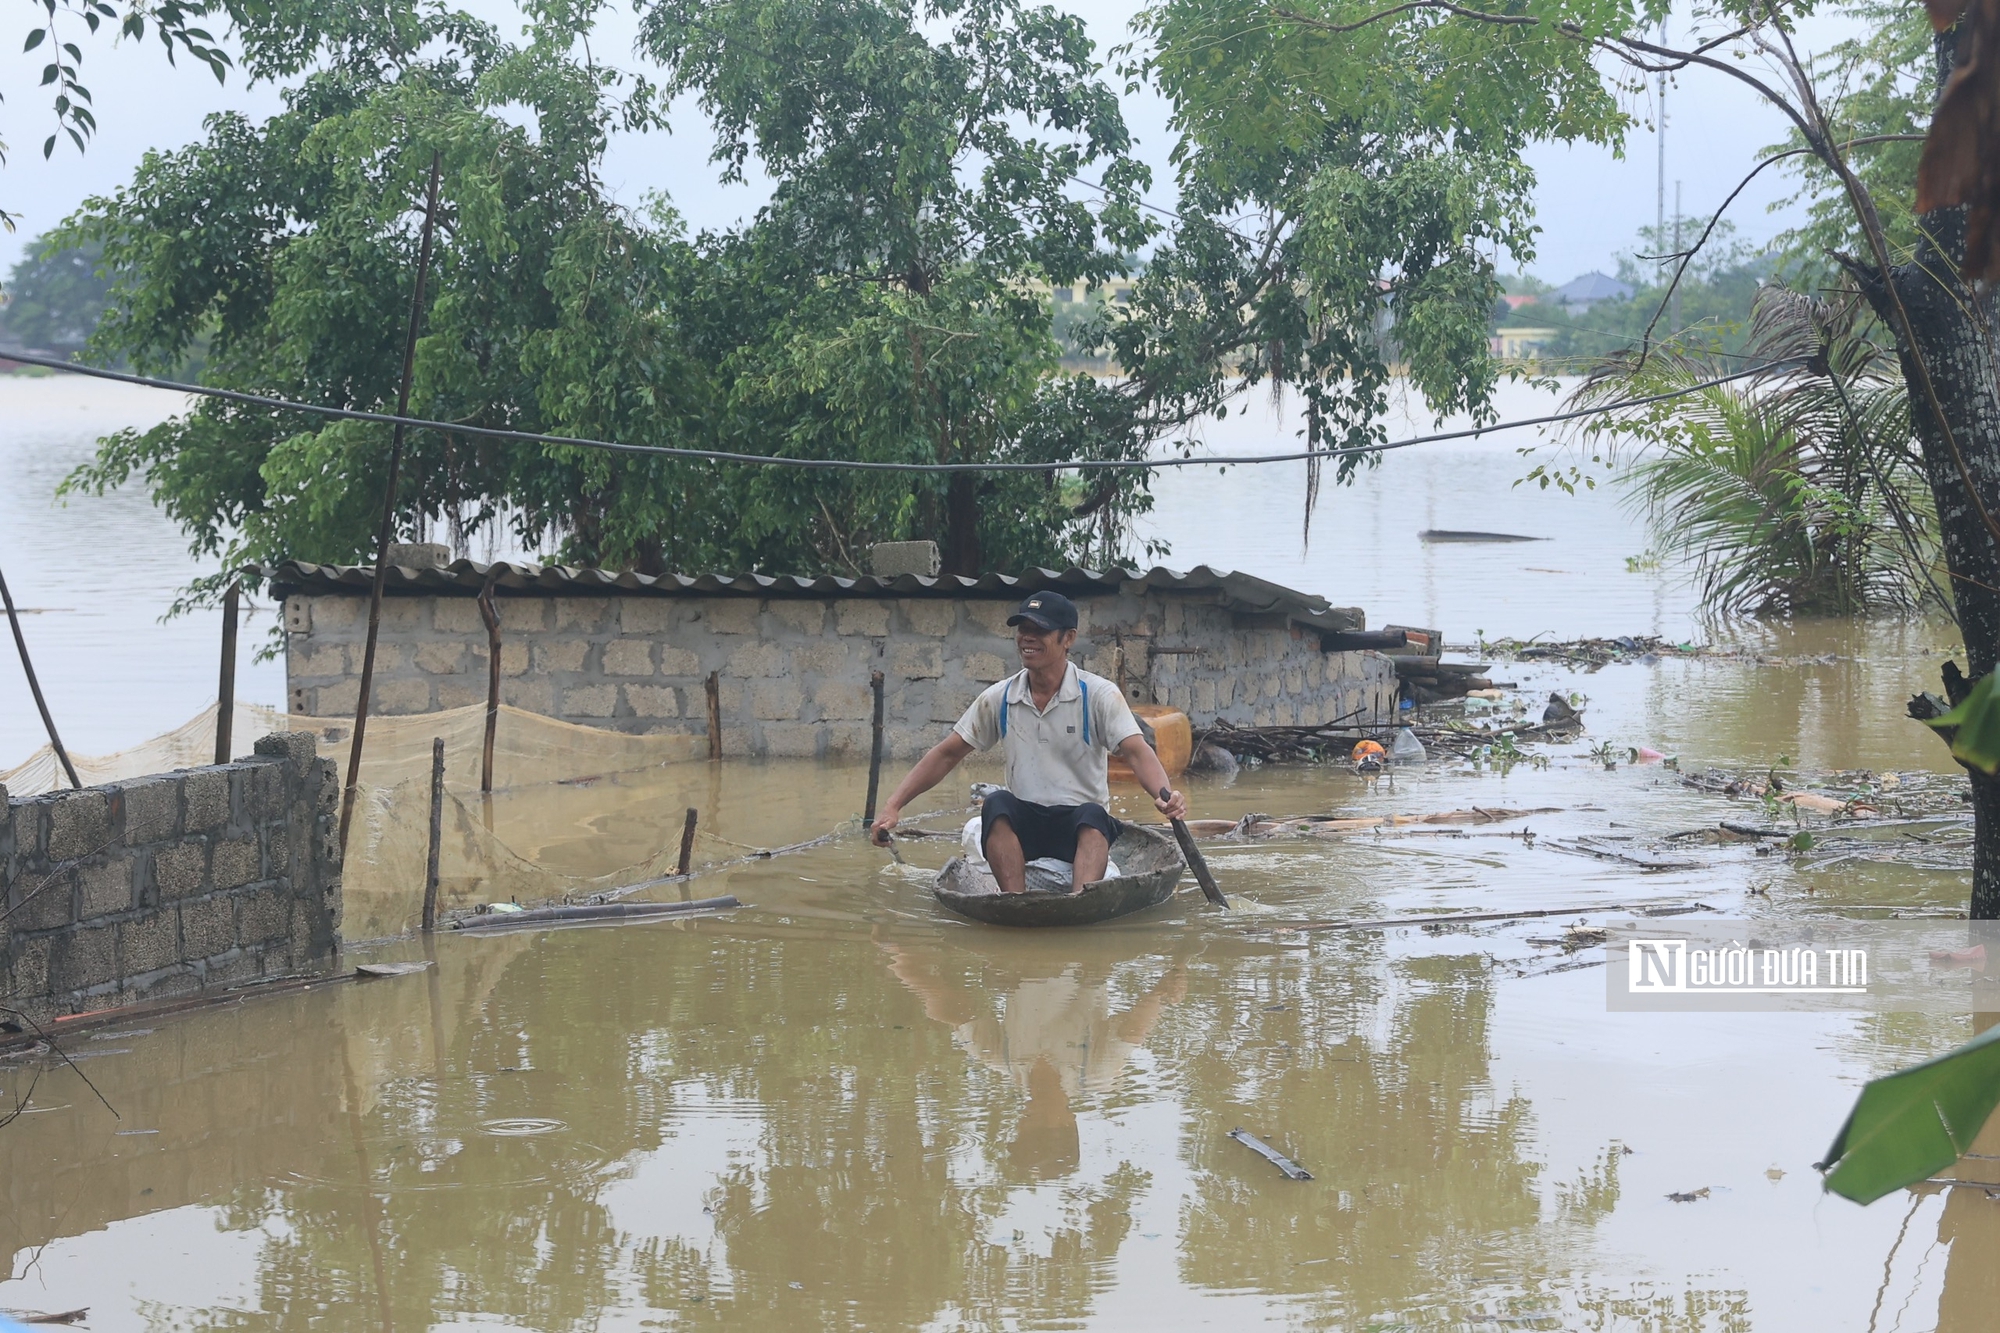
191 743
575 810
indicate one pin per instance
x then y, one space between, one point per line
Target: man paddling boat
1059 724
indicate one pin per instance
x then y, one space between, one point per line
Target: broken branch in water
1580 847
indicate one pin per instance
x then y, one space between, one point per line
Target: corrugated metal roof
1240 592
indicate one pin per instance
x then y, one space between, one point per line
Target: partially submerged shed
791 657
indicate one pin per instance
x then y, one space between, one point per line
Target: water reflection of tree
1375 1074
891 1138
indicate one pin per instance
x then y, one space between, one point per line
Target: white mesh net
575 810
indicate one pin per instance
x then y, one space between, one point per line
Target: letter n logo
1657 965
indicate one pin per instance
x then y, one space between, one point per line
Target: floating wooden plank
1454 535
375 971
1292 1170
546 916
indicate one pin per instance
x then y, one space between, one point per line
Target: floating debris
1292 1170
1445 535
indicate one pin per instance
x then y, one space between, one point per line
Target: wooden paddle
1192 855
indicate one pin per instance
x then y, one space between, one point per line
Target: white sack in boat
1061 873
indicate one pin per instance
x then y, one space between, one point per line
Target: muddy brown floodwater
839 1108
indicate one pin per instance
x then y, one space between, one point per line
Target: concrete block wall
794 672
167 885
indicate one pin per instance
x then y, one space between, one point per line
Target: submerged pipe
35 686
388 531
225 686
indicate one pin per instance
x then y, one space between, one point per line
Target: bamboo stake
875 755
35 686
491 615
687 842
388 531
715 715
437 835
225 689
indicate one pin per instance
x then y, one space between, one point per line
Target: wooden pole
225 688
437 835
491 615
687 842
875 753
715 715
388 530
35 686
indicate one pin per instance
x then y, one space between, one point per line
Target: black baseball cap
1046 610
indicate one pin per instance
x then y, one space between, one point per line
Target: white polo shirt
1049 760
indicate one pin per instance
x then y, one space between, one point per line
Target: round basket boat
1150 866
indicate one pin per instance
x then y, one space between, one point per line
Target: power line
862 465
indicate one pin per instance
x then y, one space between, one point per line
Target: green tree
1338 170
55 296
1803 493
881 307
915 202
63 22
1256 82
1714 300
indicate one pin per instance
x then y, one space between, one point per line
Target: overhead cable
863 465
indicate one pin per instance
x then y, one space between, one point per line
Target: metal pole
715 715
1660 184
491 615
35 686
687 842
1674 315
875 752
388 531
437 835
225 689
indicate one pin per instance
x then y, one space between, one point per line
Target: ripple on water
519 1127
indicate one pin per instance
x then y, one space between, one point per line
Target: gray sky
1589 204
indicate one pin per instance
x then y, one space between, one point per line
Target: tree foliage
880 307
1714 301
54 297
174 22
1798 492
1342 165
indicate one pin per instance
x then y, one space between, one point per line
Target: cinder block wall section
794 672
168 885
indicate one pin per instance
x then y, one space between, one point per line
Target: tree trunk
960 553
1947 318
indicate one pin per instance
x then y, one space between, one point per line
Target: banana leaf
1909 1125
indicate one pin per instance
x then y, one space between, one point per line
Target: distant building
1521 344
1584 292
1515 300
1118 291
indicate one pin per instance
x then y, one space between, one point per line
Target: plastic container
1406 748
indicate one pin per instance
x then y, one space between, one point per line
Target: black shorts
1044 830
